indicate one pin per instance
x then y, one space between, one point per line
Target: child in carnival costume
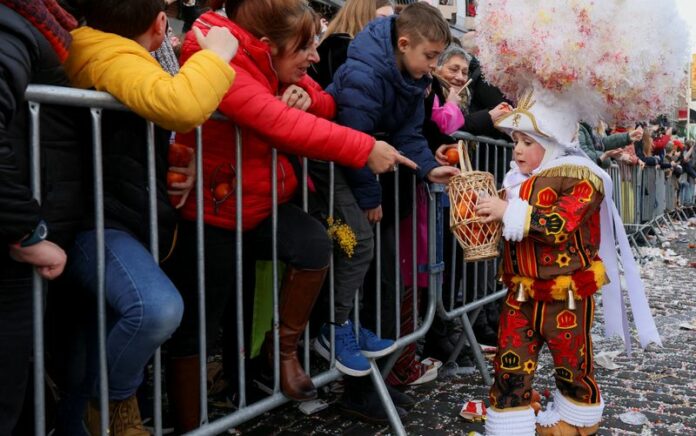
561 228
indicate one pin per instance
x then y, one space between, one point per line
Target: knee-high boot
183 390
298 294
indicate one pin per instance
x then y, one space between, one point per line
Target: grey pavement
657 385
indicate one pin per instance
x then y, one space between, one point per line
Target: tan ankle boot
124 418
93 418
298 295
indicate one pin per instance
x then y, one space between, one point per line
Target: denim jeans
143 306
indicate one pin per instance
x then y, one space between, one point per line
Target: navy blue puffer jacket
373 96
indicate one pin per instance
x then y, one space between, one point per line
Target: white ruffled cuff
548 417
578 414
505 423
516 220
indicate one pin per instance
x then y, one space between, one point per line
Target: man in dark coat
35 38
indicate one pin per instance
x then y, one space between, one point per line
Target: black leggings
302 243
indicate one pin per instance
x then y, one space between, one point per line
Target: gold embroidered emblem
564 374
510 360
566 320
563 260
529 366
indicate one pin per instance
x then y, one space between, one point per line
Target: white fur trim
578 415
515 219
548 417
515 422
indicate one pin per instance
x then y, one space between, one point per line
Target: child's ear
403 43
160 24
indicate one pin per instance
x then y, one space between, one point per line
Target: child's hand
441 153
374 215
218 40
442 174
296 97
491 208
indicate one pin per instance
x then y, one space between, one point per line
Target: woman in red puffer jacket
275 105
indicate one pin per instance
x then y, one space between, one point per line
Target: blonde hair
354 16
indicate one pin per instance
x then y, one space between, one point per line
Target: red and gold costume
557 253
561 236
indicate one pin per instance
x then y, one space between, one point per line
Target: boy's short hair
421 21
127 18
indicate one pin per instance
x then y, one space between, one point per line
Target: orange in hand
174 177
452 156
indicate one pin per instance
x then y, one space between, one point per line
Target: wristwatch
39 234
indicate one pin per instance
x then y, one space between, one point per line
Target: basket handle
464 160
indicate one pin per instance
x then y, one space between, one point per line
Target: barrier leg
478 356
462 338
381 388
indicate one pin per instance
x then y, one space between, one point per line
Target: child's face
527 152
418 59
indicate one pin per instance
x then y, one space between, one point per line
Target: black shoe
367 407
401 399
484 332
465 358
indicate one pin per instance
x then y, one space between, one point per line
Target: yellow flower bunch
342 234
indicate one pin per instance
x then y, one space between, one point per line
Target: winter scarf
48 18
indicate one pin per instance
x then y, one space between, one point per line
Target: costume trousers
524 328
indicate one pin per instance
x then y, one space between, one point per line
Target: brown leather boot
183 392
93 418
297 297
124 418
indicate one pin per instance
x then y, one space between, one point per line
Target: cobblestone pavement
659 383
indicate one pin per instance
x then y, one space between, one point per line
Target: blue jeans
143 306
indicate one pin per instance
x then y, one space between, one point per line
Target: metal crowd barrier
467 302
649 202
469 291
96 102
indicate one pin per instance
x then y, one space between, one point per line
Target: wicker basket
478 240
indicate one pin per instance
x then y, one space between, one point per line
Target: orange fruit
174 177
222 191
452 156
179 155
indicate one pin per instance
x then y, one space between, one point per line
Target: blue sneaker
349 360
372 345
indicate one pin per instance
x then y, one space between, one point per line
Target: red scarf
48 18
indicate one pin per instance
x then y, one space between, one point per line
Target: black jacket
126 193
27 57
484 97
333 52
